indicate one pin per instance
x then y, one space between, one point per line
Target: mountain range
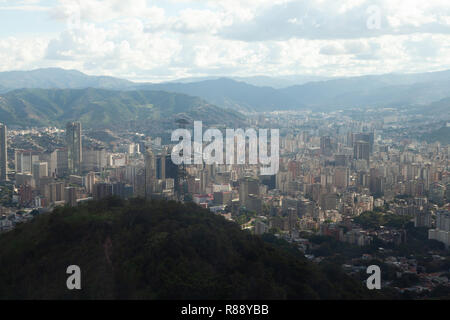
51 78
389 90
106 108
261 81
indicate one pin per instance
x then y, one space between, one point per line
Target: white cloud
149 40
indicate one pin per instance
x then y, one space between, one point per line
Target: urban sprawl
358 184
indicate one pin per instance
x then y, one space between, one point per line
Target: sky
145 40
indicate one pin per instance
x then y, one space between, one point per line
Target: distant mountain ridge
56 78
261 81
231 94
388 90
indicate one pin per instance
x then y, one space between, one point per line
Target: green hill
103 108
442 135
157 250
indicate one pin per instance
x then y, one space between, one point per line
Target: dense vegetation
158 250
442 135
374 220
104 108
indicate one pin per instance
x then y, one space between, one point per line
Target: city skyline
224 150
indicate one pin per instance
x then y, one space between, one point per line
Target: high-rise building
437 193
422 219
247 186
74 147
161 165
365 136
325 146
94 159
340 160
71 196
122 190
24 160
102 190
39 170
171 169
361 150
442 231
56 192
24 178
61 162
25 195
341 177
150 172
89 182
3 153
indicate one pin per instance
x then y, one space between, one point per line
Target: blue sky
164 40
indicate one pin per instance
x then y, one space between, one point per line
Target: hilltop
105 108
157 250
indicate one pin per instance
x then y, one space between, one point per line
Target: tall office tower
3 153
74 148
376 181
70 196
325 146
52 160
161 165
89 182
365 136
40 170
24 161
102 190
56 192
443 220
361 150
25 195
442 231
247 186
341 177
363 179
340 160
171 169
150 172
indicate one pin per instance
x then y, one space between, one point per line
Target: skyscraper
161 164
365 136
341 177
361 150
74 147
247 186
325 146
150 172
3 153
39 170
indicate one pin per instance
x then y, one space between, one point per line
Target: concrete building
361 151
3 153
442 231
150 172
74 147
